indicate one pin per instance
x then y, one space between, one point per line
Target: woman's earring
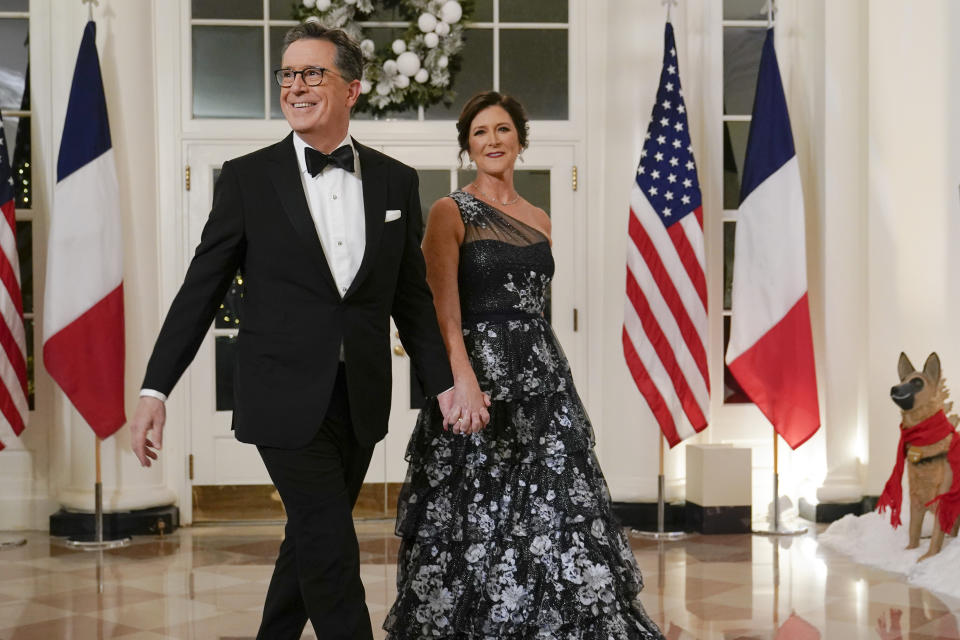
520 156
472 166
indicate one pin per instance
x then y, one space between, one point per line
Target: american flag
13 342
665 316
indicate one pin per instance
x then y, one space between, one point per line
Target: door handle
398 349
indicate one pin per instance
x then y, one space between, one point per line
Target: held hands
148 417
464 408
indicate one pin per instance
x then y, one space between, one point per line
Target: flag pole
97 543
776 527
660 534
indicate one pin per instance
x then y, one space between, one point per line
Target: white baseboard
644 489
25 513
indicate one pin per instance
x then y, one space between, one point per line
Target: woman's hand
464 407
468 412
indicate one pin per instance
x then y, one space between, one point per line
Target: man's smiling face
322 111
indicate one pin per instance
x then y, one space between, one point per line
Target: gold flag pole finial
670 4
90 4
770 8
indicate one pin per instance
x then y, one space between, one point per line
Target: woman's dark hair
481 101
349 58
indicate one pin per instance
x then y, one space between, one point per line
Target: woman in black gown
506 527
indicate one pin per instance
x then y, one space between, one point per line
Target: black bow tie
316 160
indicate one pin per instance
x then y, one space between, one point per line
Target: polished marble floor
207 583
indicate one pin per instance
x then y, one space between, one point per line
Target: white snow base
871 540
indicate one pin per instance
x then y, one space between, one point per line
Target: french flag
83 343
770 352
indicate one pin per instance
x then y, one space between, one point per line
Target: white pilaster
843 277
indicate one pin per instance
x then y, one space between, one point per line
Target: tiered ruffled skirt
508 533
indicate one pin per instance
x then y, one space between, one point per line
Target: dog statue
930 447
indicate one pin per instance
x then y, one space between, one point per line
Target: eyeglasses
312 76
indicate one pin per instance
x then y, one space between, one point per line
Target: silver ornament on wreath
415 70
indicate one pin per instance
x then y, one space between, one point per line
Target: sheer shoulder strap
471 212
484 222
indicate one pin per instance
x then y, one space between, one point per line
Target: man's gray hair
349 59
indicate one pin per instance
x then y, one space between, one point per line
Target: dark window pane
383 37
734 150
10 124
14 5
233 10
25 253
17 135
732 392
534 186
384 13
226 356
475 73
28 330
228 72
282 9
533 11
483 11
228 316
465 176
729 235
743 10
741 60
434 184
276 43
533 69
13 62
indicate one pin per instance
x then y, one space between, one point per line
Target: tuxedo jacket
293 319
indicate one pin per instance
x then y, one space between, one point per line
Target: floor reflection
209 582
789 588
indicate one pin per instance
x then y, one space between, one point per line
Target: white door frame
176 129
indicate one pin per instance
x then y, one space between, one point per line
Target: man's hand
149 417
445 400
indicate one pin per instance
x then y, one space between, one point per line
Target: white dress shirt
335 200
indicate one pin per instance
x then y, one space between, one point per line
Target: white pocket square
392 214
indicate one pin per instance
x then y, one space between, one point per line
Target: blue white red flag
771 344
665 315
83 340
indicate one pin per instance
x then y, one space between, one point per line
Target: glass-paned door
218 458
544 179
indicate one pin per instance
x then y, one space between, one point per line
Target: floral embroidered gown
508 533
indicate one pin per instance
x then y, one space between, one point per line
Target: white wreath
416 70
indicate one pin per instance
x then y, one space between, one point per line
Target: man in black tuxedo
326 233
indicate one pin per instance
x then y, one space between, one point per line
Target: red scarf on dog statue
933 429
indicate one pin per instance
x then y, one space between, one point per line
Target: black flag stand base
776 528
96 542
660 534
